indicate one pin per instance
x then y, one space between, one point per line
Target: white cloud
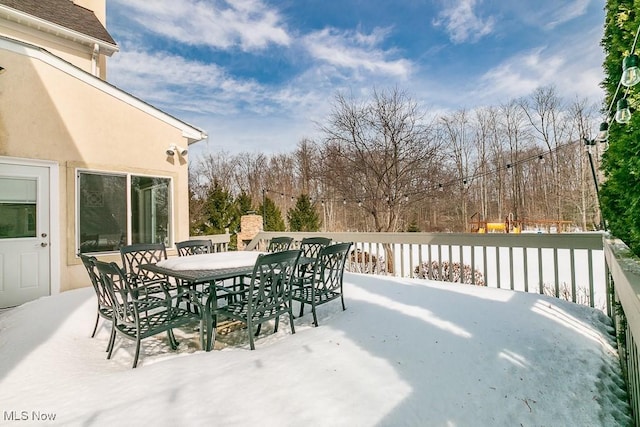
174 81
249 24
567 12
355 50
523 73
463 23
192 88
572 65
547 15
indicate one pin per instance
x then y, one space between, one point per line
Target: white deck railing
220 241
568 266
624 293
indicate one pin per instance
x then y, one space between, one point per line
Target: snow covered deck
405 352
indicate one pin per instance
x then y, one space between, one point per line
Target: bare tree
383 166
583 195
485 130
516 138
250 171
305 156
281 181
460 148
379 154
544 110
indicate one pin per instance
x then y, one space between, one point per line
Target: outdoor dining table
211 270
207 269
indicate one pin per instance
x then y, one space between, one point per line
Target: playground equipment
511 225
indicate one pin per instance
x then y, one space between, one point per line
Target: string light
539 157
630 77
630 72
603 133
623 114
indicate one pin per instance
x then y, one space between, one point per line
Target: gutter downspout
94 59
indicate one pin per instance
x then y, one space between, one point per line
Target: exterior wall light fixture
173 149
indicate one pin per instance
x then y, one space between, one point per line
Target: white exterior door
25 254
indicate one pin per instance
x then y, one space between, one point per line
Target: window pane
150 210
21 190
103 212
17 207
17 220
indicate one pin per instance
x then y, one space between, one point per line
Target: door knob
44 244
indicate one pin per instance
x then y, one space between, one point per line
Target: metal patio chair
194 247
139 314
279 244
310 247
199 247
133 256
327 275
268 296
104 308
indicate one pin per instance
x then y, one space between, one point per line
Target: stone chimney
250 225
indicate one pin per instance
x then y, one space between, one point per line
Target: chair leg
211 324
301 309
112 338
112 342
258 329
342 299
293 329
211 315
172 339
249 327
135 358
277 321
202 344
315 318
95 327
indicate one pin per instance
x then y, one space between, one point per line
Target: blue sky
258 75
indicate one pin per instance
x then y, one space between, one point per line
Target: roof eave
33 21
190 132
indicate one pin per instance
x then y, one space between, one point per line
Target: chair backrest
120 292
98 286
310 246
194 247
329 267
279 244
270 285
133 256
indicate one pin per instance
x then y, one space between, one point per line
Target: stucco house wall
54 111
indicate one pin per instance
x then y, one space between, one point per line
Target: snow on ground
406 352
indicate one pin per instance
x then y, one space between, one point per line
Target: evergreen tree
303 217
413 227
272 217
244 204
219 211
620 193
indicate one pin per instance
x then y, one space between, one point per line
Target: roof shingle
64 13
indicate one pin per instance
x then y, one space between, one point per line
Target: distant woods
385 163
